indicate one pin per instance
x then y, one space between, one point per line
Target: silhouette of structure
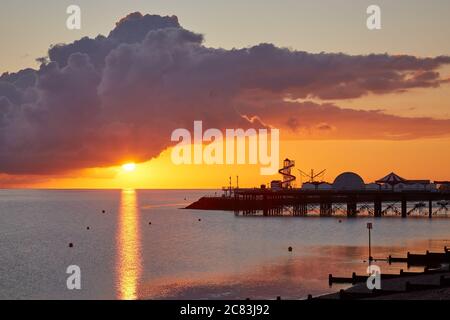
288 178
348 194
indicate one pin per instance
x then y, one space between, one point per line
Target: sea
141 244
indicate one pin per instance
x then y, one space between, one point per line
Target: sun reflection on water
129 247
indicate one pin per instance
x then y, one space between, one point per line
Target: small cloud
324 127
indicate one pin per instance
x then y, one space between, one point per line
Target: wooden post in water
369 227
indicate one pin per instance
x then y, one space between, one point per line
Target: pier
348 195
326 203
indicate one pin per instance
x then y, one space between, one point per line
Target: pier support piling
351 209
377 208
404 211
430 209
325 209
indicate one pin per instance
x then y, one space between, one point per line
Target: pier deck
297 202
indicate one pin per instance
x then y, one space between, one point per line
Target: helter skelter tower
288 178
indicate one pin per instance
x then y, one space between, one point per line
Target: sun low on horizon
129 167
405 158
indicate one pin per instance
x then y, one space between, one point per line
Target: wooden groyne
354 279
427 259
404 282
409 287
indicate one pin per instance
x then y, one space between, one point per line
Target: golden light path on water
129 265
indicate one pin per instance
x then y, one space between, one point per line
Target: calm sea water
123 256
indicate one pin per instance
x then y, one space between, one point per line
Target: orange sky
415 159
372 159
343 150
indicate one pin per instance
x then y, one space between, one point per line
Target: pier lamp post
369 227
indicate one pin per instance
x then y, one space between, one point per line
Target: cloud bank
97 102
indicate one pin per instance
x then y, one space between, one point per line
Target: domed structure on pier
348 181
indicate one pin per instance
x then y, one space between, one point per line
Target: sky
373 108
416 27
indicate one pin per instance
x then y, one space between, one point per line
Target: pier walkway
296 202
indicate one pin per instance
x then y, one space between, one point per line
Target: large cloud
96 102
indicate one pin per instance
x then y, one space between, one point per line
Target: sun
129 167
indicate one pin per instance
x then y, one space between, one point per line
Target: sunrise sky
344 98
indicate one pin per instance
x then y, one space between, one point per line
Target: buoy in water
71 245
88 228
290 249
103 211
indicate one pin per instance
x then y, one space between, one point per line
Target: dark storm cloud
96 102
